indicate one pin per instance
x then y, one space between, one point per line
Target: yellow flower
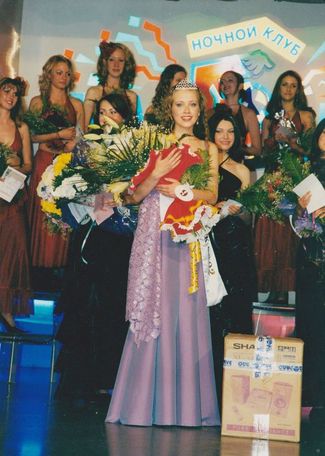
49 206
60 162
116 189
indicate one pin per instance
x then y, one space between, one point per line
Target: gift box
262 379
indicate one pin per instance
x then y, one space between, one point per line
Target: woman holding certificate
15 152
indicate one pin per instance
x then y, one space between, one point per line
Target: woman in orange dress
54 104
15 290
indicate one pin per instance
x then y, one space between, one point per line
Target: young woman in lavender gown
166 374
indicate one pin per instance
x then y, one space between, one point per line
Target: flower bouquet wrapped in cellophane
272 194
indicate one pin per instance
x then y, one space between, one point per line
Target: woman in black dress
231 239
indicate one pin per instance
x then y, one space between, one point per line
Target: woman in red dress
15 291
54 103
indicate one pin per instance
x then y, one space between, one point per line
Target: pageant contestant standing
54 104
93 329
15 291
275 243
232 241
166 374
115 70
310 301
231 89
171 76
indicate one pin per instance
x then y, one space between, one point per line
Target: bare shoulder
77 104
36 103
307 118
248 112
23 128
94 93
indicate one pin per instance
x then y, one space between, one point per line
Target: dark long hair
121 104
165 80
300 101
240 80
20 85
236 152
128 75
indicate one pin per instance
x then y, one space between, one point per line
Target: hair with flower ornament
200 128
44 79
128 74
20 85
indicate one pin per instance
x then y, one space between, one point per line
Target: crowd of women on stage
171 369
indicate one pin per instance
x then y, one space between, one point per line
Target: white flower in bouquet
70 187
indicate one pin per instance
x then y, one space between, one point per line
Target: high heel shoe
9 328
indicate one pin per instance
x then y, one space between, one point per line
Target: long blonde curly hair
44 79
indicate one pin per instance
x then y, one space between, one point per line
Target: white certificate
11 182
313 185
225 208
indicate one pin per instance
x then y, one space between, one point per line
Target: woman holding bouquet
310 302
232 241
166 374
275 243
15 290
93 329
63 112
115 70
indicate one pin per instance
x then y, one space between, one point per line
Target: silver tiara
185 84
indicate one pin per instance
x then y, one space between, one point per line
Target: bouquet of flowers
272 194
103 161
50 120
285 132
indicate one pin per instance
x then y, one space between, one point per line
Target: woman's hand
67 133
13 160
168 189
164 165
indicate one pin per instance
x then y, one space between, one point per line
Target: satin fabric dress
48 250
15 288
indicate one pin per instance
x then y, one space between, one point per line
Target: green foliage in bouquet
5 152
47 121
198 175
266 194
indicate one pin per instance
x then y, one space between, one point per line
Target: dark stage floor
33 424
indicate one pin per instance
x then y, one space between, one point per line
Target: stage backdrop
259 39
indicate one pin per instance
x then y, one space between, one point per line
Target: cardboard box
262 387
256 447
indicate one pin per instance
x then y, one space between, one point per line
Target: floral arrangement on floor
272 194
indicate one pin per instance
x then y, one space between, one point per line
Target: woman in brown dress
275 243
15 290
50 250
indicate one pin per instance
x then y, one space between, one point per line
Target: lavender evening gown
166 374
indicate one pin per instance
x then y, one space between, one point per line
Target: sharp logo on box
239 346
286 348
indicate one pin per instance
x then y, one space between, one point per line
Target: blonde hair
200 129
44 79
